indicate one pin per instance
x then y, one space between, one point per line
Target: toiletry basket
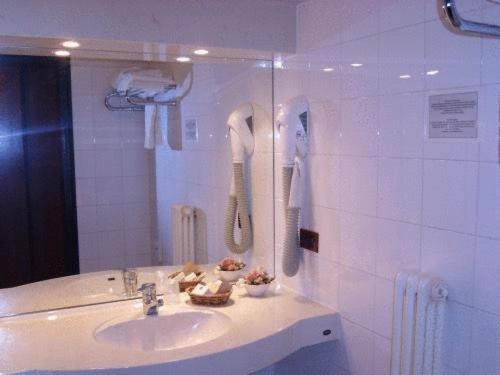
218 299
183 285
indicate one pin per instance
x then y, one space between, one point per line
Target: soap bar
200 290
179 277
215 286
190 277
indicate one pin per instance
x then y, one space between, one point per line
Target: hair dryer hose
290 258
238 203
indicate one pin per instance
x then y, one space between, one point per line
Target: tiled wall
199 175
383 196
113 173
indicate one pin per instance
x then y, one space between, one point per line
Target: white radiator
417 329
183 233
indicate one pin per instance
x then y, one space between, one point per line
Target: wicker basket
213 300
183 285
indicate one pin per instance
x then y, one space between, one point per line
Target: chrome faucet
150 303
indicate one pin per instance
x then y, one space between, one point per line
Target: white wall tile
138 241
456 57
135 189
450 256
489 123
361 80
356 350
110 217
84 138
84 164
457 336
356 197
88 245
359 18
89 265
400 13
85 191
111 245
400 189
402 62
109 190
358 241
136 215
327 286
490 46
398 248
314 28
324 181
356 286
485 343
108 163
487 269
450 190
325 130
87 219
359 127
488 220
382 317
401 123
382 355
138 260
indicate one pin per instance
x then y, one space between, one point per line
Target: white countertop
76 290
263 331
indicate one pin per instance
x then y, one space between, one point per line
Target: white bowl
256 290
230 276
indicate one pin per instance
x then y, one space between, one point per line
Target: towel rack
128 101
451 12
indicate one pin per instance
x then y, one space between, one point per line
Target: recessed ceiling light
62 53
200 52
328 70
356 65
183 59
405 76
432 72
70 44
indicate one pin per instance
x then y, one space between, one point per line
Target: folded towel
155 124
134 79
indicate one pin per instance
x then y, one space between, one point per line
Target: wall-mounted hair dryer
240 124
292 122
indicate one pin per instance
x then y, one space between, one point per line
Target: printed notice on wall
453 115
191 130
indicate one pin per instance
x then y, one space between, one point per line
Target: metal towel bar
451 12
130 102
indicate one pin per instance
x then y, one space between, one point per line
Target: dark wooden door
38 234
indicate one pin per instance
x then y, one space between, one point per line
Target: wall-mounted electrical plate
309 240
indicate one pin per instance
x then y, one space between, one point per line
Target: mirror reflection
121 168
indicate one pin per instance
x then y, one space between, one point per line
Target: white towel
151 81
155 124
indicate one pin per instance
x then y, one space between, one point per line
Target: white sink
165 331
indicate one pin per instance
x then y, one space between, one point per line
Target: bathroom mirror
97 176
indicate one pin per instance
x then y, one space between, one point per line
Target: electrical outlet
309 240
